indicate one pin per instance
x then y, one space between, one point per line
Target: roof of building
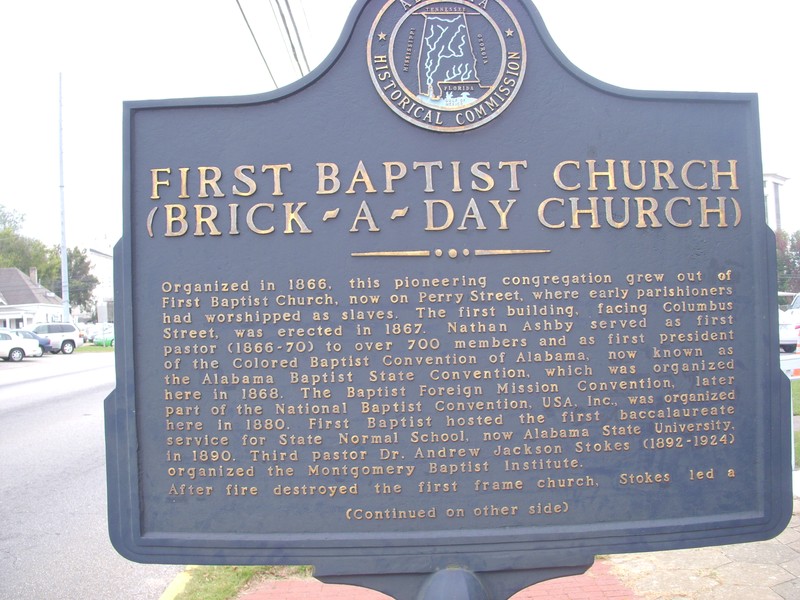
18 288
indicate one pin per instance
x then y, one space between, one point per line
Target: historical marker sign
448 301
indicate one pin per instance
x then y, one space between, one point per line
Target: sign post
448 309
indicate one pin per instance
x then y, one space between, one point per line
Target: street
53 529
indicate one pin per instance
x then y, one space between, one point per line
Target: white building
103 269
24 302
773 184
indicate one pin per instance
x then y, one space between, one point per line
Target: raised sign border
418 553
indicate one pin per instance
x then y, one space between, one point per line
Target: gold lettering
361 176
560 183
251 223
392 176
472 212
503 213
239 174
158 182
705 211
593 175
626 173
430 214
213 181
184 171
427 166
545 222
610 213
716 173
512 165
293 216
173 219
685 174
668 212
483 176
328 174
587 211
277 189
665 174
364 214
647 212
208 220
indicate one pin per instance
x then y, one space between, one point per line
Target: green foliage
92 349
81 280
21 252
25 253
223 583
788 247
10 219
797 447
796 412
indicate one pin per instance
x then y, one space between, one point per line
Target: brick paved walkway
598 583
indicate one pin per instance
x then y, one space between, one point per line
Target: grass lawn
796 397
92 348
796 412
224 583
797 447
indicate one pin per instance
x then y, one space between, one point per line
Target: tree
81 280
25 253
788 248
21 252
10 219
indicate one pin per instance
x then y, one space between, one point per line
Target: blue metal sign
447 301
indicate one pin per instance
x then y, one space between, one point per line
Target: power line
289 35
253 35
305 15
280 29
297 34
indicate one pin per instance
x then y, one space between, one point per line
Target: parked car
91 330
98 329
64 337
788 331
44 342
15 348
105 337
793 310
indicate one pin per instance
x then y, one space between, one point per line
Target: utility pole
64 263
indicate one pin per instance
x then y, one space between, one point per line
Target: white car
788 331
64 337
14 347
793 310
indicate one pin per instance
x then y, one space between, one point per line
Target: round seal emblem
446 65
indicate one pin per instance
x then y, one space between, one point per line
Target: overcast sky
110 51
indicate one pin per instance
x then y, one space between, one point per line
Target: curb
178 584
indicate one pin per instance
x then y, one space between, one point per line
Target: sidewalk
598 582
757 571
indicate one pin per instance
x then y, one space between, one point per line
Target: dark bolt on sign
445 303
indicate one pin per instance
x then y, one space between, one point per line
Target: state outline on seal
447 65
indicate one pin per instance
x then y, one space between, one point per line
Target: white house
103 268
23 301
